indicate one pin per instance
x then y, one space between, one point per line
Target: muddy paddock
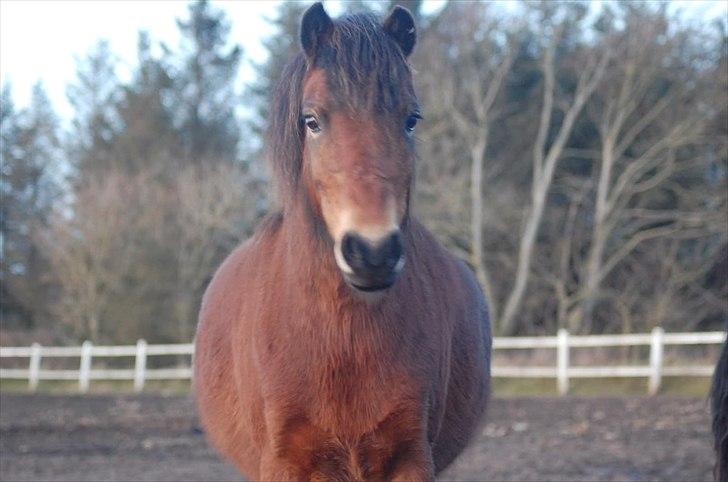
156 437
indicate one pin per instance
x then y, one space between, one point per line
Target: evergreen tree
147 138
10 308
94 97
205 96
281 46
30 159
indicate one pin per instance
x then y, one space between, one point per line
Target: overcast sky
39 39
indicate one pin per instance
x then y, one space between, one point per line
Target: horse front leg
276 469
295 450
413 473
408 457
417 466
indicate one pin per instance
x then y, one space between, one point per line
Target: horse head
357 118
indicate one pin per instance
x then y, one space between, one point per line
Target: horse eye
312 124
411 122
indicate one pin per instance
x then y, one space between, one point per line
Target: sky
40 39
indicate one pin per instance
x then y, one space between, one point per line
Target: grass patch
179 387
168 386
502 387
9 385
635 387
687 386
608 386
523 387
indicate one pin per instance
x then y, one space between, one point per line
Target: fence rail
562 372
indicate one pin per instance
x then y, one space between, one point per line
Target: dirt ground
155 437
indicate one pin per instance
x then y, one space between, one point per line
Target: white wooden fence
562 371
656 340
85 373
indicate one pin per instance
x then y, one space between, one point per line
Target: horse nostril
362 256
392 250
354 250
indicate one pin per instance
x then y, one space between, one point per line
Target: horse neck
309 253
319 297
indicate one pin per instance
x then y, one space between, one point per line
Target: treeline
111 230
576 159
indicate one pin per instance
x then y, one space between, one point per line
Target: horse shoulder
227 289
468 366
227 402
451 272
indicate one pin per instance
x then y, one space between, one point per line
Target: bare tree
545 158
212 210
90 251
649 113
469 83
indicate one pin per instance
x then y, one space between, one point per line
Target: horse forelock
365 70
365 67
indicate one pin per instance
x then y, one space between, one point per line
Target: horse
342 341
719 409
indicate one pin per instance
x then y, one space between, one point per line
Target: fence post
34 368
562 361
84 372
140 365
656 345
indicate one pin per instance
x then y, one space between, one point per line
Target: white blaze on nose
337 230
374 233
340 261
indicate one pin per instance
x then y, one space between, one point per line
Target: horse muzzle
371 266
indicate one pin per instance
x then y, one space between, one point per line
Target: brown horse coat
300 377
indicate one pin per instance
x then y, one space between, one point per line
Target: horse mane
365 69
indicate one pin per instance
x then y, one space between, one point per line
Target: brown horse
321 354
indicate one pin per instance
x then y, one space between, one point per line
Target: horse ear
400 25
316 28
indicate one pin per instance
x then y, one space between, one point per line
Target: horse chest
346 394
344 388
350 377
348 416
353 395
359 441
